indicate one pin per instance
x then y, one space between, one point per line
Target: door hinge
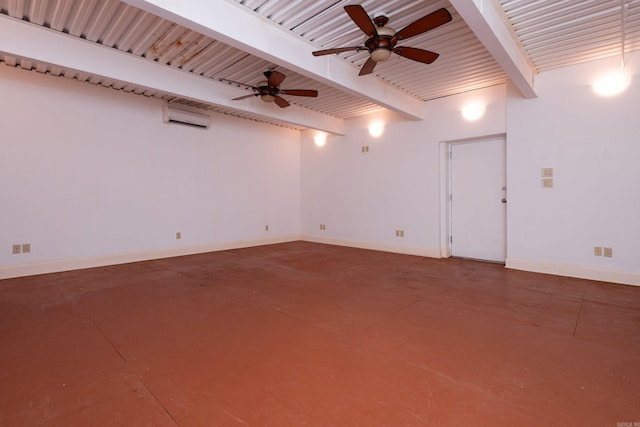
450 197
450 239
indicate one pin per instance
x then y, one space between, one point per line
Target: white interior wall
91 176
592 145
363 198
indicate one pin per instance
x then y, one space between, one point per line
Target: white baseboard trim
569 270
406 250
572 270
21 270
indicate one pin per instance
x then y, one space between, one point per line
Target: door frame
445 186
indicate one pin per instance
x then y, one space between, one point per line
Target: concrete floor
303 334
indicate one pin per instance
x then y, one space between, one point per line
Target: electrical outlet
597 251
547 182
178 235
15 249
547 172
26 248
323 227
608 252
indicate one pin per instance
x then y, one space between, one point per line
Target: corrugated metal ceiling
464 64
121 26
553 33
556 34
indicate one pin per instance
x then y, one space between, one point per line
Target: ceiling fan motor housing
267 93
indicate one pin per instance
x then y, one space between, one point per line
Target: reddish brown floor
302 334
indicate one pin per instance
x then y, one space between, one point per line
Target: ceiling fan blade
274 78
424 24
420 55
337 50
300 92
368 67
361 18
244 97
237 83
282 103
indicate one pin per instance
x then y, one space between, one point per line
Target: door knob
504 200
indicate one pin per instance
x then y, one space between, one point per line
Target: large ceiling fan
269 90
381 40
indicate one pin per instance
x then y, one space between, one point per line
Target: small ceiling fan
269 90
381 40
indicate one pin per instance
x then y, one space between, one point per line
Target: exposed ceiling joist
37 43
232 24
483 17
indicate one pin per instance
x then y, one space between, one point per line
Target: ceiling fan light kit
380 54
381 40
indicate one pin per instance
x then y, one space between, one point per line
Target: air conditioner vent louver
171 114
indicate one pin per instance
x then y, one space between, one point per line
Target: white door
478 200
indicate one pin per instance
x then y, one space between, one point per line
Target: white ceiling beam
28 41
237 26
489 25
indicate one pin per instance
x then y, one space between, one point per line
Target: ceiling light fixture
617 81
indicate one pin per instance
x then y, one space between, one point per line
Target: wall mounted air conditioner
173 114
